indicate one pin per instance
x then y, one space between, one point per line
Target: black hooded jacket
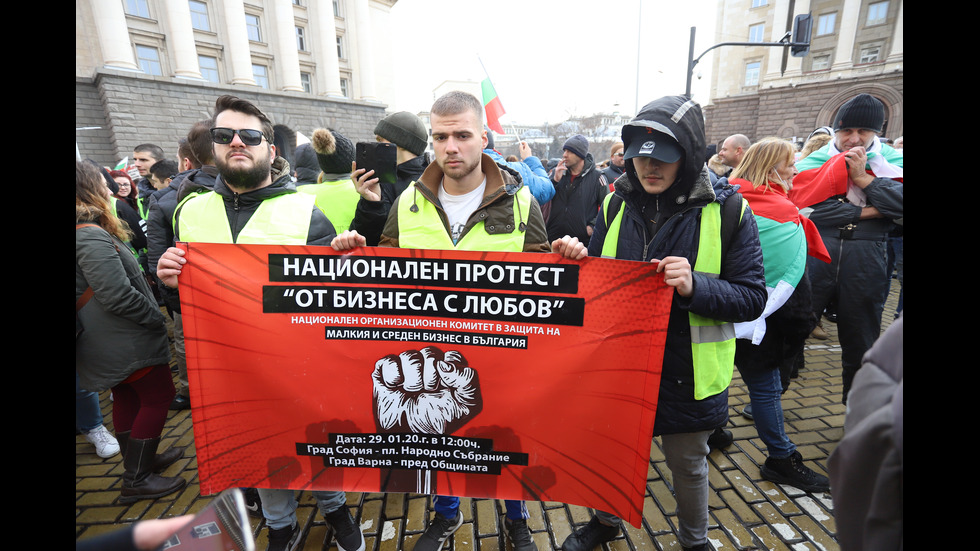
159 223
738 294
576 202
305 164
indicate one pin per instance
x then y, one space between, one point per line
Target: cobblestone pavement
747 512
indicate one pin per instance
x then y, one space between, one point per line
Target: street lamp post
798 39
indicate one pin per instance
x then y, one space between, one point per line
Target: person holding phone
409 134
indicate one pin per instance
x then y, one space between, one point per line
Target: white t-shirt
459 207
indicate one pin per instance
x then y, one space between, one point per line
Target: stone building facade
856 47
145 71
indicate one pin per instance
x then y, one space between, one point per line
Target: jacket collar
499 182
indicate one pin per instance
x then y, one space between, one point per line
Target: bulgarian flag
493 107
787 238
121 165
823 173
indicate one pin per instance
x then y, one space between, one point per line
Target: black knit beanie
334 152
864 111
405 130
577 144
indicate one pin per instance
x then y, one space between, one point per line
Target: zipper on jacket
648 244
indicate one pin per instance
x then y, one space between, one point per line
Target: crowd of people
758 242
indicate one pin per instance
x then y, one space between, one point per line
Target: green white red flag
493 107
786 238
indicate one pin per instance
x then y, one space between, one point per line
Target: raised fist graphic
427 391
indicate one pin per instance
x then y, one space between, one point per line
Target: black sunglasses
224 136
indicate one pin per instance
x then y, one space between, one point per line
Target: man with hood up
706 243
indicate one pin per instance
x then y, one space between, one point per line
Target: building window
759 3
820 62
757 32
138 8
297 2
870 53
752 73
199 15
307 81
877 13
209 68
261 75
336 8
252 24
149 60
345 87
826 24
301 39
340 47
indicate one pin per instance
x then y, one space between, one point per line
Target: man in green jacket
465 201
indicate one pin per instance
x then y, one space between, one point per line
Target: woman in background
122 344
126 190
764 177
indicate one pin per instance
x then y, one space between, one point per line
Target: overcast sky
551 59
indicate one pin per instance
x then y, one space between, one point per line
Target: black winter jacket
159 223
738 294
576 203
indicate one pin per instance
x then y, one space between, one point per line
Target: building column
237 49
850 16
180 37
794 65
365 54
287 54
325 45
896 52
117 48
774 65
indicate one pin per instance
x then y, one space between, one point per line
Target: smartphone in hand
221 526
378 156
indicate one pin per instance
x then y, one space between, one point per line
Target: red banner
487 375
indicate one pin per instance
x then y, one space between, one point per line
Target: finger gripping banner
478 374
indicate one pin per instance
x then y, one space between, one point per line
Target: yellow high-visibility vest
337 199
280 220
712 341
421 227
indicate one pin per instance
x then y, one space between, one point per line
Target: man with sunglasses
617 164
254 201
